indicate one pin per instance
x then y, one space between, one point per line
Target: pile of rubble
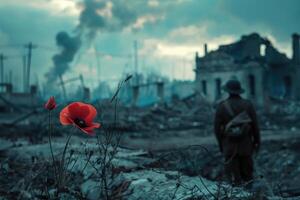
25 171
177 115
190 114
280 114
277 163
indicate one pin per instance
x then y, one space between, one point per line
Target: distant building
263 71
11 101
181 88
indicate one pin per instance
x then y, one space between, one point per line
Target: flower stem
50 143
62 163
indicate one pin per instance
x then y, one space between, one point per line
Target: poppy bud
50 105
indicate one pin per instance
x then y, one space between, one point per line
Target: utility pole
2 58
30 47
136 61
62 83
98 65
24 73
81 81
10 77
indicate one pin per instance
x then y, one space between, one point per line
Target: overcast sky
168 32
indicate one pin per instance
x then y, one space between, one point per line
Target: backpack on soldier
238 127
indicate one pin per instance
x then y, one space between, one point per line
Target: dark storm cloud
232 17
89 19
21 23
220 18
282 17
105 16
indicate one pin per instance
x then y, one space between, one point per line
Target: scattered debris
185 173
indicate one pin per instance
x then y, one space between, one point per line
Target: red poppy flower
80 115
50 105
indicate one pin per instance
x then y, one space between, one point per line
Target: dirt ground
185 152
172 139
277 162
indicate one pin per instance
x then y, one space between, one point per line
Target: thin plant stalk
62 162
65 149
50 143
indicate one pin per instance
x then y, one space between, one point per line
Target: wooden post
63 87
29 46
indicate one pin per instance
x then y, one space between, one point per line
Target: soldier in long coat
238 154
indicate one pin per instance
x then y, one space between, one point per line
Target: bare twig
50 143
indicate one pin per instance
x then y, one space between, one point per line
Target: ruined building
263 71
11 101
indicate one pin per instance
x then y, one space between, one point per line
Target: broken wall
209 84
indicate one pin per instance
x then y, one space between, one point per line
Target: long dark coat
245 146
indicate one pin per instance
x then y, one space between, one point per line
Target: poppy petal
96 125
64 117
78 110
90 130
92 114
74 124
87 130
93 126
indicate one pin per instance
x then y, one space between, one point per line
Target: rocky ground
178 172
166 151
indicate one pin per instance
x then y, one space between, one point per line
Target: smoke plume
96 16
69 47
